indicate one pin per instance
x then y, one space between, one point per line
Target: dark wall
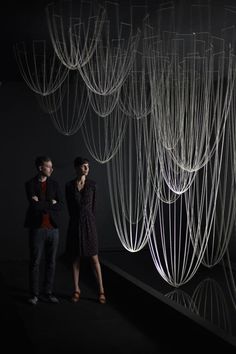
25 133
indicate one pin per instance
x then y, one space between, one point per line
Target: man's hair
39 161
79 161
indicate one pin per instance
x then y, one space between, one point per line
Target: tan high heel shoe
75 296
102 298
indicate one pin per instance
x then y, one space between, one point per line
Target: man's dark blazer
35 210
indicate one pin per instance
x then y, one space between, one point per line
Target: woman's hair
39 161
79 161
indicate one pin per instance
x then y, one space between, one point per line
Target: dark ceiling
20 21
25 21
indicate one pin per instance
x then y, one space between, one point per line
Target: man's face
46 169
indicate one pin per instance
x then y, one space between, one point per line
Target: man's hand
35 198
54 201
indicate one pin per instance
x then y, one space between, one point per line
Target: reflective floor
143 314
208 299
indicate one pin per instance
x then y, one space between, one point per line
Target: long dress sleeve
73 199
94 201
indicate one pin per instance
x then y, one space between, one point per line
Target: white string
74 29
190 94
108 68
73 106
135 95
103 105
183 299
51 103
132 201
103 136
230 277
180 236
225 212
39 67
211 304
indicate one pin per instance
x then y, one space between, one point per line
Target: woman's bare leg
76 269
98 273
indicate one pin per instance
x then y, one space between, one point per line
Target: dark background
27 132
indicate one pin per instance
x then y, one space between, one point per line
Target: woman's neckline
80 190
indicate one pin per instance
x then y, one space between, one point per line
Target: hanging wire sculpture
135 99
51 103
181 233
225 211
133 203
190 94
135 94
40 67
74 30
103 105
108 68
69 114
103 136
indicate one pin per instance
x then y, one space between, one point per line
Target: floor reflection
208 301
209 298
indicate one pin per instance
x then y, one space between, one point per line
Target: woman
82 233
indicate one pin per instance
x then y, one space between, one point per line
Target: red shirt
46 224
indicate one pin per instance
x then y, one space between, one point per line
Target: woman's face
84 169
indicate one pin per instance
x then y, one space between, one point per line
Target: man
42 220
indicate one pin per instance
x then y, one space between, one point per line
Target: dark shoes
33 300
46 298
53 300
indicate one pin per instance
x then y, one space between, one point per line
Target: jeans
39 240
